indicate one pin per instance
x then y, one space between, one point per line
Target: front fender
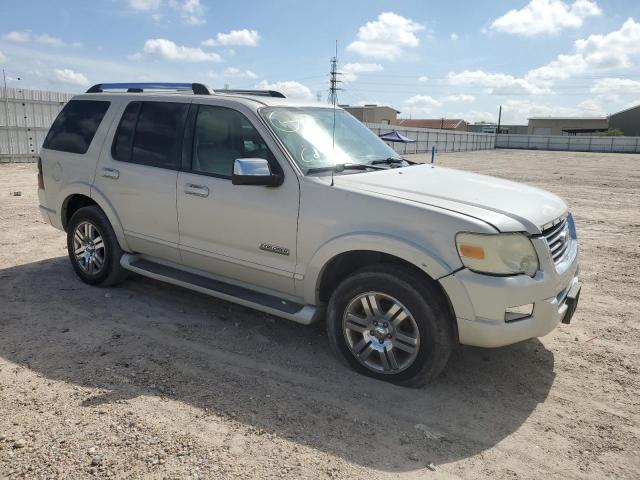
415 254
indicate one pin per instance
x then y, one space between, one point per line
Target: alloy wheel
381 333
88 248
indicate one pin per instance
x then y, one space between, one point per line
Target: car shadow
148 338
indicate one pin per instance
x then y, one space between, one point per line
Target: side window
75 126
150 133
124 136
221 135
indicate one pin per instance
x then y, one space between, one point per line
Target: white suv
300 211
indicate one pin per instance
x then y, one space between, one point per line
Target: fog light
518 313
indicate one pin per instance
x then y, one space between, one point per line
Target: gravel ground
148 380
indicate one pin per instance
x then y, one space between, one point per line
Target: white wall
25 117
570 143
444 140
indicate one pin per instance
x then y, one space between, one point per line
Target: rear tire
93 248
392 324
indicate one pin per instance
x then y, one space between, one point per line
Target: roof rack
196 88
260 93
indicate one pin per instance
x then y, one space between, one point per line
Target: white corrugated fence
25 117
443 140
576 143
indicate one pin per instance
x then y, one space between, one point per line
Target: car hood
508 206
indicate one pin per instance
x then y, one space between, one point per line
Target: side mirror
254 171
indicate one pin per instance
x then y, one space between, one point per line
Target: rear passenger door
227 229
138 175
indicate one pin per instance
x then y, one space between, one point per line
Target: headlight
499 254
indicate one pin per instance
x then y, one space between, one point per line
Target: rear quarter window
76 125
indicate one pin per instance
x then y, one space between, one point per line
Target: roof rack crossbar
260 93
196 88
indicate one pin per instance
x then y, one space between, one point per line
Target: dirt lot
147 380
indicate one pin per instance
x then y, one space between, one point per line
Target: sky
427 59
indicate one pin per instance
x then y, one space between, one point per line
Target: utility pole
499 119
333 79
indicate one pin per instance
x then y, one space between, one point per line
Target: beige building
373 113
567 125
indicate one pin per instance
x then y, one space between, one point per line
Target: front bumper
480 301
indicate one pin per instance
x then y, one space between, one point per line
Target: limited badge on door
274 248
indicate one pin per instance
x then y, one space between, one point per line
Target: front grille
558 240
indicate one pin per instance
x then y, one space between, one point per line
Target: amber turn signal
471 251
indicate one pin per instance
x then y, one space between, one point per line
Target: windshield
308 135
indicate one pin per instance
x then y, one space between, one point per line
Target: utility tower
334 79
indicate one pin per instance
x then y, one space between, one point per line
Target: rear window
150 133
75 126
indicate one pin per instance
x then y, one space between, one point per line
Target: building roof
625 110
567 118
447 123
368 106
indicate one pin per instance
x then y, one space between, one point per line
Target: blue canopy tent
394 136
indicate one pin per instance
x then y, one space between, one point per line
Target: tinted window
124 136
75 126
158 134
222 135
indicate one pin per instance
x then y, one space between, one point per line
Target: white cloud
290 88
591 107
240 38
387 37
144 5
496 83
425 100
49 40
192 12
43 38
595 53
461 98
18 37
454 36
70 77
518 111
546 17
233 72
168 50
350 71
2 57
606 86
423 78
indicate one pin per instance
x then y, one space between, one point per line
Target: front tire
391 324
93 248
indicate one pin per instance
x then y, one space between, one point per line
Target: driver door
225 229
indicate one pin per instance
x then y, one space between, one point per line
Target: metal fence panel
25 117
570 143
443 140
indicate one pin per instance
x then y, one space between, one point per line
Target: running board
304 314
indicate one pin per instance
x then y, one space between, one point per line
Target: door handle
110 173
197 190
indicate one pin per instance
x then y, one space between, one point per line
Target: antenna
333 99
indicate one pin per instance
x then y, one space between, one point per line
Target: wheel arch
344 264
75 201
346 254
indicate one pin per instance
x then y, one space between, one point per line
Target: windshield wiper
344 166
391 161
